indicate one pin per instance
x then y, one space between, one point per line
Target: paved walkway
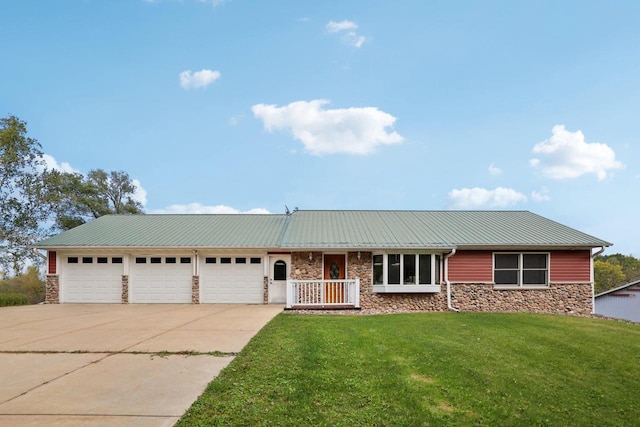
116 365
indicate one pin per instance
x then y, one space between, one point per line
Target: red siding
471 266
570 266
52 262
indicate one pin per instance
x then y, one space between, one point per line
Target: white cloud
140 194
199 79
473 198
567 155
541 196
198 208
335 27
52 164
330 131
494 170
347 30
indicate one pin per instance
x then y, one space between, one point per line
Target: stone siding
52 289
303 268
125 289
569 298
265 290
195 290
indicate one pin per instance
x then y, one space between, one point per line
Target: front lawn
429 369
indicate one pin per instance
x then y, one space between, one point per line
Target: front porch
323 294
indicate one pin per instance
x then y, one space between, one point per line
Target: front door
334 275
279 271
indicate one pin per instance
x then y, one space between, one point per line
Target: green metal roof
191 231
430 229
328 229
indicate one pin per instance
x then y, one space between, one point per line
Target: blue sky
248 106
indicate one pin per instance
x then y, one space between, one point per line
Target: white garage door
91 279
160 279
232 279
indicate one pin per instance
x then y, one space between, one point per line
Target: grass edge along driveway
429 369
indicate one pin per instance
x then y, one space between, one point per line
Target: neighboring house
622 302
375 260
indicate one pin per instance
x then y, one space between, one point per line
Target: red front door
334 274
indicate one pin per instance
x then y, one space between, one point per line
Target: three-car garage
162 278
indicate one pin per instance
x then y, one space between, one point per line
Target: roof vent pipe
446 279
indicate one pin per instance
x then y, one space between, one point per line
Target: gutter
35 251
446 279
593 282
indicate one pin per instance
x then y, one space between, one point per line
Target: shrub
29 285
7 300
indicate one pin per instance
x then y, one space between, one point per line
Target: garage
160 279
92 279
232 279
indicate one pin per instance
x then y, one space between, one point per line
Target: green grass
430 369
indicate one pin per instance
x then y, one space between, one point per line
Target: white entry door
279 272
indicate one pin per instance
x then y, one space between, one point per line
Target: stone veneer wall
569 298
52 289
303 268
195 290
265 290
125 289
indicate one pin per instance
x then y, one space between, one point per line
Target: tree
606 276
79 199
614 270
22 210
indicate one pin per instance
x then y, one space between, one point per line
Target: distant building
622 302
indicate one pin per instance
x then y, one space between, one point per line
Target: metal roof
191 231
430 229
328 229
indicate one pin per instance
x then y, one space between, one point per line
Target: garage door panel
86 281
165 280
234 282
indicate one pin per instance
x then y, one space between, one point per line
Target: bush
7 300
29 285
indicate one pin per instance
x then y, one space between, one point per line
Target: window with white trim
406 269
521 269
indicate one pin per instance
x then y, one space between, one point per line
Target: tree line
36 202
611 271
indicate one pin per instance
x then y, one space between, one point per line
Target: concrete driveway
116 365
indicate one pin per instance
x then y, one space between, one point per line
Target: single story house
375 260
622 302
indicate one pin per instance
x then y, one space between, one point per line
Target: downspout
593 282
446 279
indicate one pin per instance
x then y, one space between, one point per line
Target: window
378 270
225 260
141 260
406 269
87 260
170 260
241 260
256 260
185 260
72 260
526 269
280 270
102 260
116 260
155 260
210 260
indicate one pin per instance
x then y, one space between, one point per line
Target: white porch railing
323 293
